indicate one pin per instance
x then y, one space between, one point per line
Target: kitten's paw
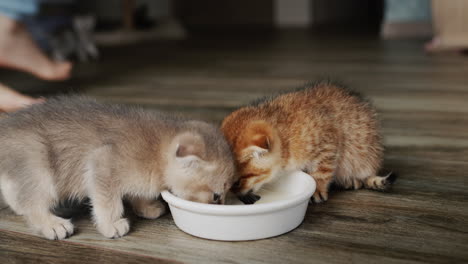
115 230
57 228
357 184
151 211
321 193
354 184
320 196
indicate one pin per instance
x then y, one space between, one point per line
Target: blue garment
19 9
407 11
27 12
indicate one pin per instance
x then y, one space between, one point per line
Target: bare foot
433 46
11 101
18 51
436 45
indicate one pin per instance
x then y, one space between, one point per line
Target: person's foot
436 45
433 46
12 101
19 51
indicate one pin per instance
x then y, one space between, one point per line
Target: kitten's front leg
105 196
323 174
148 208
108 210
323 182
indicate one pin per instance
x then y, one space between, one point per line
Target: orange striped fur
323 129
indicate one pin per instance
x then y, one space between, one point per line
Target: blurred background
205 58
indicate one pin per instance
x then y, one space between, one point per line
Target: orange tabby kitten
325 130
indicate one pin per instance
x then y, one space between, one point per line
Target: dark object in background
142 19
260 15
226 15
75 41
356 16
62 32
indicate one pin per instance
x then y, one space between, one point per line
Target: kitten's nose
216 198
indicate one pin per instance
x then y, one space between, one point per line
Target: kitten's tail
380 183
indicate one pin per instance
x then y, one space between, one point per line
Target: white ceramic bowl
281 209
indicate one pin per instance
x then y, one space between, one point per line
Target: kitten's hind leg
33 199
9 191
380 183
348 183
148 208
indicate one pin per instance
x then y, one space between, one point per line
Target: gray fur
75 147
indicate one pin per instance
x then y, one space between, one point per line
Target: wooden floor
423 104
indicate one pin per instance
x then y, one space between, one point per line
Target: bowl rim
252 209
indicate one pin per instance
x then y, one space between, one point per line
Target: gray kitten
73 148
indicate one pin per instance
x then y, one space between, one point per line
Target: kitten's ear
257 140
261 141
260 145
189 149
254 152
